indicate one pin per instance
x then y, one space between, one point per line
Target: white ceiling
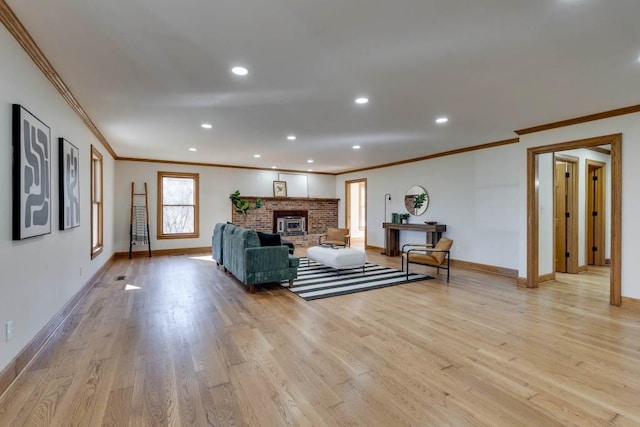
149 72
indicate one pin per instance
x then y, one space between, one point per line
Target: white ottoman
340 258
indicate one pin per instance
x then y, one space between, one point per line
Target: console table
392 235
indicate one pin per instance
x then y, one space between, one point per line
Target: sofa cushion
267 239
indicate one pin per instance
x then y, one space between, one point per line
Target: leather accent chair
336 237
438 256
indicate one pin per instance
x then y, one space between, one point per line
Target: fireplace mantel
287 199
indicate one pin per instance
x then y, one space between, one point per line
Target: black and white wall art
31 175
69 186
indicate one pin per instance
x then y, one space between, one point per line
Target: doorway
595 215
533 236
356 211
565 214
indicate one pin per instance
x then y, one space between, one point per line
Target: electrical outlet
9 330
80 271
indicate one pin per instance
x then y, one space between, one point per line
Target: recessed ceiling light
239 71
274 167
291 137
206 125
193 149
310 161
257 156
309 170
441 120
356 147
362 100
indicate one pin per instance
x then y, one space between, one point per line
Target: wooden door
560 201
595 221
565 201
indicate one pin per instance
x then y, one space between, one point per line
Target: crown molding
218 165
436 155
583 119
20 33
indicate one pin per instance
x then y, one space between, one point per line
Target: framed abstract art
31 175
68 184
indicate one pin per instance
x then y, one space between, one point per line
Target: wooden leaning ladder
139 223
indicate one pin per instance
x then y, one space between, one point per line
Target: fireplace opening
290 223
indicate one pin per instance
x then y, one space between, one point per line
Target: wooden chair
426 254
336 237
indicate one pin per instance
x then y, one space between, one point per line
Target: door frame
615 140
347 204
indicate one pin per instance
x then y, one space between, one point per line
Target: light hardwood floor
190 346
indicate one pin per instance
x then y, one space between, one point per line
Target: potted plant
418 201
242 206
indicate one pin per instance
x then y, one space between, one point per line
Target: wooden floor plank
118 409
45 408
188 345
12 403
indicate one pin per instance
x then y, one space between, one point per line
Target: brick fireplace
319 214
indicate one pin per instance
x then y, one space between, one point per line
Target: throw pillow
267 239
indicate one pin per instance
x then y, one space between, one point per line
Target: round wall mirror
416 200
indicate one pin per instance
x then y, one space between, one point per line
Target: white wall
216 183
629 127
482 197
41 274
474 194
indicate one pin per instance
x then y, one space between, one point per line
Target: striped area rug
317 281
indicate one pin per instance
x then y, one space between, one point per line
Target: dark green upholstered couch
253 264
216 243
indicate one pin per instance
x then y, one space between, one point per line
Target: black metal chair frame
421 248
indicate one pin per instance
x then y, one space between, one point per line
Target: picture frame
68 185
31 175
279 188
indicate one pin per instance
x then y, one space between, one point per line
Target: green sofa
242 255
216 243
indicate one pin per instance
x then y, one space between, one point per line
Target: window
96 203
177 205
